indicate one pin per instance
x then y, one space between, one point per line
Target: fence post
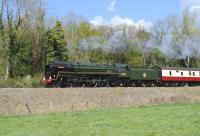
51 105
87 105
29 110
72 107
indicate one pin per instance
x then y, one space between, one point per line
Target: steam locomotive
67 74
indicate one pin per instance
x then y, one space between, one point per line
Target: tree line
29 40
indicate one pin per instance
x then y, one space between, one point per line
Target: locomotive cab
122 69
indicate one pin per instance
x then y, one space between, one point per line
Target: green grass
165 120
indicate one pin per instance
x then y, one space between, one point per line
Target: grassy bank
165 120
25 82
44 100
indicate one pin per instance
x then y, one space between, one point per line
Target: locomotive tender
66 74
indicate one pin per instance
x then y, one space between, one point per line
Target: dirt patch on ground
40 101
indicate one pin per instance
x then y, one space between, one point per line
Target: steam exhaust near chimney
188 60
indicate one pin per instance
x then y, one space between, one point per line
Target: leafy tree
19 48
22 44
39 37
142 35
86 31
56 49
22 61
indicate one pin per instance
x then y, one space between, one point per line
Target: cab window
121 67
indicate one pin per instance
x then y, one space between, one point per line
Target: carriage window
190 73
170 73
193 73
181 73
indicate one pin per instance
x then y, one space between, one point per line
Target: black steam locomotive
67 74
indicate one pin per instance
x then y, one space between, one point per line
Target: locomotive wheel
56 85
143 85
133 85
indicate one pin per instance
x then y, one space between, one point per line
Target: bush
35 84
20 82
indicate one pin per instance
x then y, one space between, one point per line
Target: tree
39 36
14 13
72 22
3 42
143 36
188 24
56 49
24 45
86 31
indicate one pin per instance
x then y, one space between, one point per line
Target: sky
123 11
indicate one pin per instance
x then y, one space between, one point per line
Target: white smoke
187 47
166 47
116 41
190 47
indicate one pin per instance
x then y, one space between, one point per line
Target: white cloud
144 24
117 20
195 9
112 6
187 4
193 6
97 21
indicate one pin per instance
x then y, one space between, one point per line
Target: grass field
163 120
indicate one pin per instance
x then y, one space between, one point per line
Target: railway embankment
23 101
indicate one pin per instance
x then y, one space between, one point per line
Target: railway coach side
180 75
